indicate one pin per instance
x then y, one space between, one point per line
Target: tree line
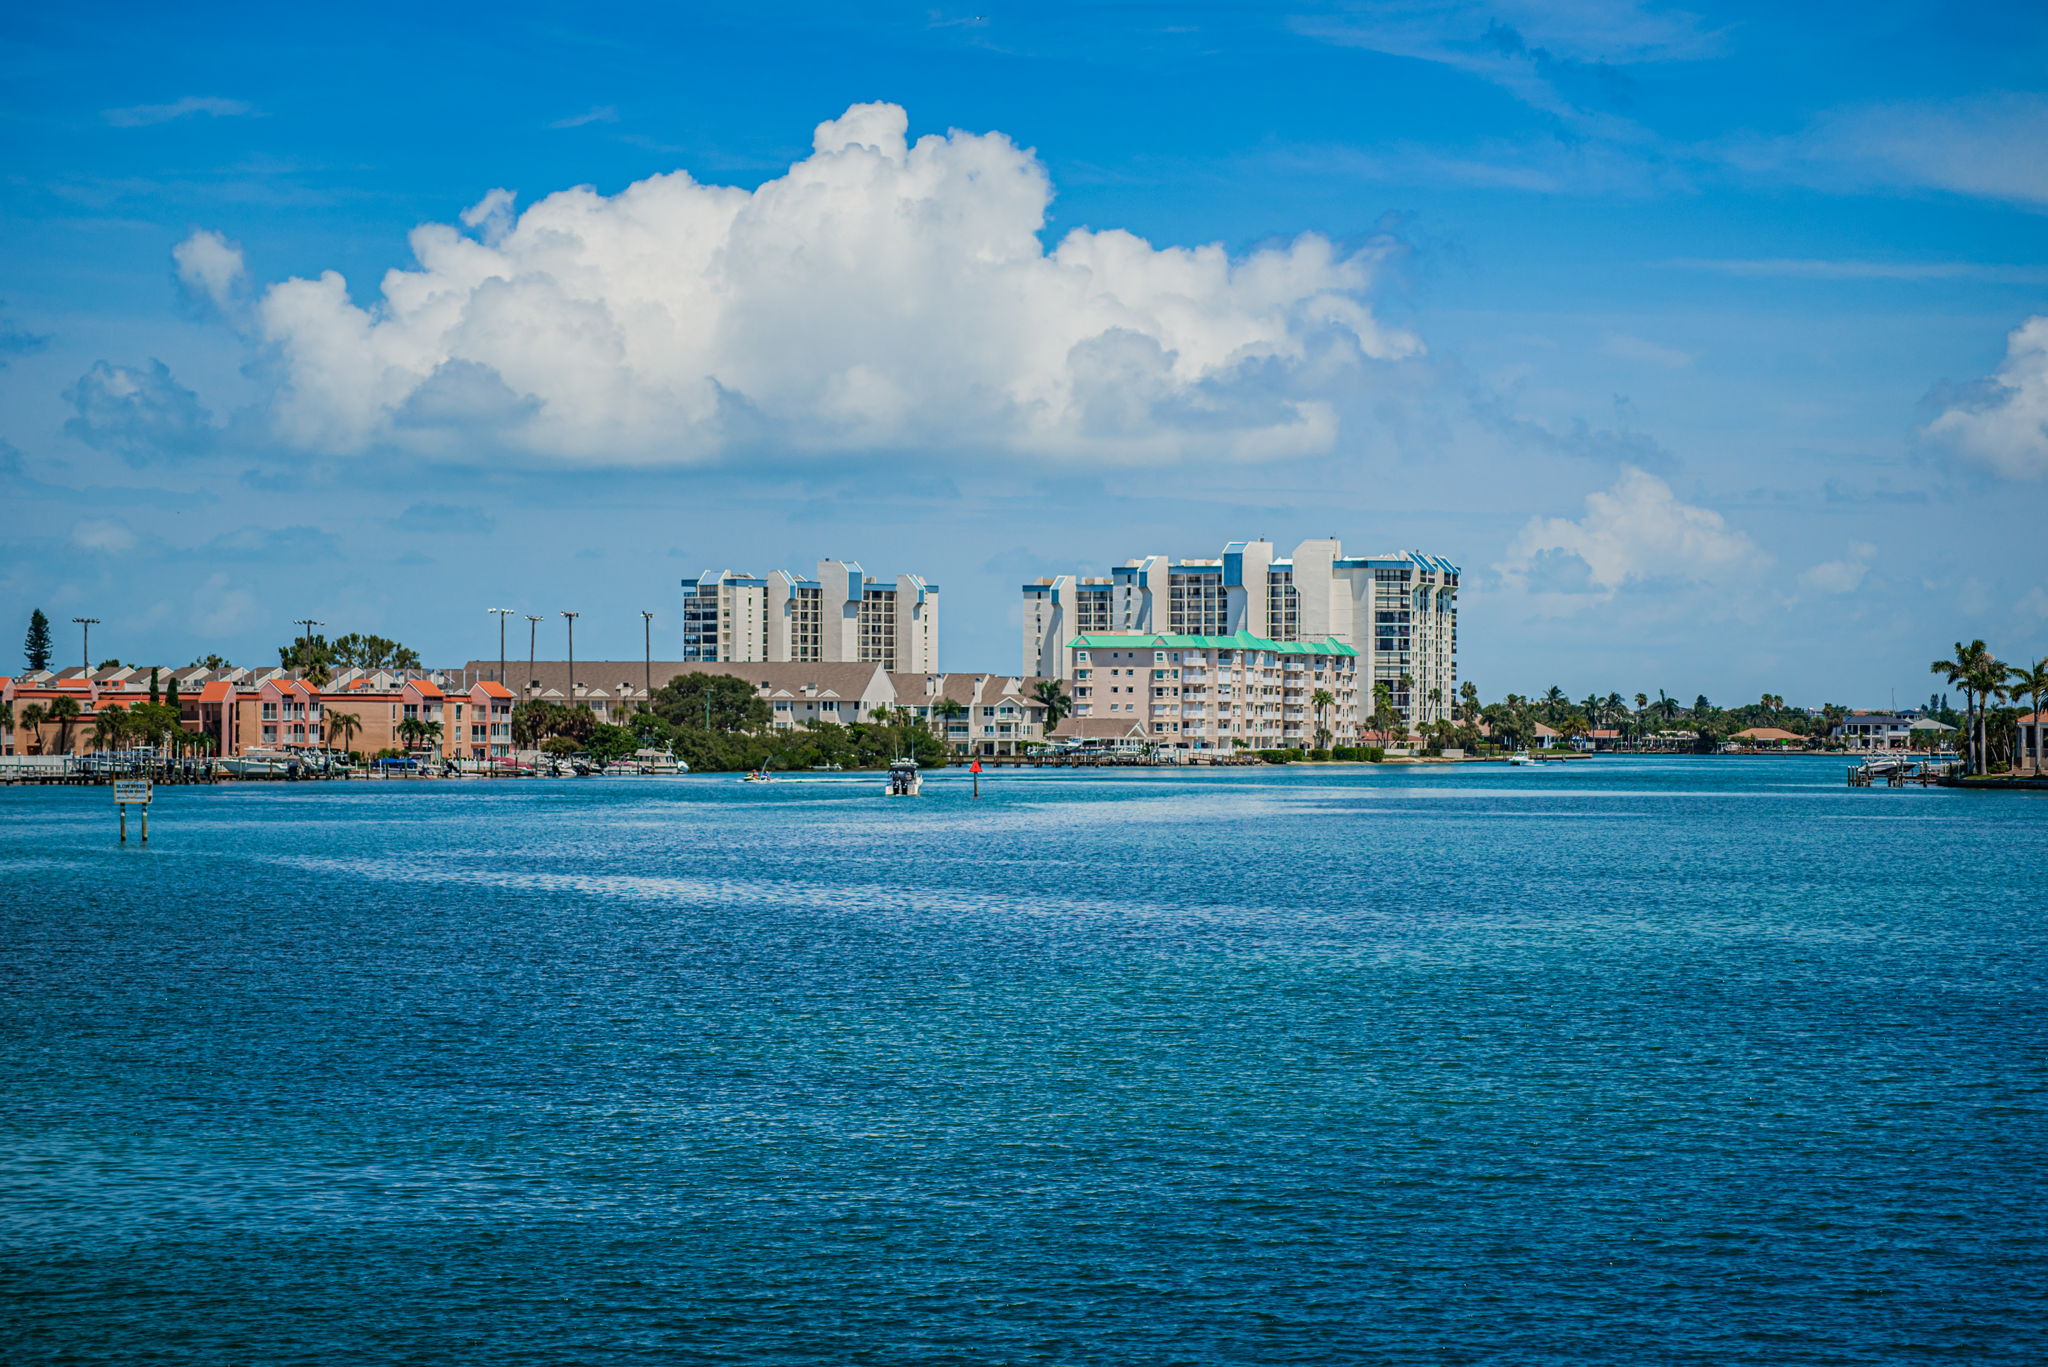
1991 730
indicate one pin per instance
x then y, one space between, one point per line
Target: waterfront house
1767 738
976 714
2030 744
1874 731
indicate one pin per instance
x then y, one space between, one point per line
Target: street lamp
647 634
308 623
532 635
85 626
503 613
572 616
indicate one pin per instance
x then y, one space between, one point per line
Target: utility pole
85 626
647 641
572 616
503 613
532 635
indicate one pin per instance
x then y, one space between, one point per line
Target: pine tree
37 644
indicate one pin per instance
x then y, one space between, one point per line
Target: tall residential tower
1399 611
841 616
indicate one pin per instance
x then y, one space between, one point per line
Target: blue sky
1701 338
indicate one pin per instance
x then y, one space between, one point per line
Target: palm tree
110 728
410 731
342 728
2033 683
32 718
1989 679
430 733
1963 672
1058 706
64 712
1322 700
946 711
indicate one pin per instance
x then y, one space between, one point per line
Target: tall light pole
572 616
85 626
647 635
532 635
503 613
308 623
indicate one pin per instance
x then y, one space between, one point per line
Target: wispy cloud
1627 348
16 342
1988 146
1561 58
1542 165
210 106
1812 268
603 113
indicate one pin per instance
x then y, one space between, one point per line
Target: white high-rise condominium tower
1399 611
841 617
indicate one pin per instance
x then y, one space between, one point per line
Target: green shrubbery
715 722
1342 754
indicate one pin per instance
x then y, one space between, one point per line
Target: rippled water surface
1686 1061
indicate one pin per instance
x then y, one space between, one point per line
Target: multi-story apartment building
1206 692
1399 611
839 617
259 709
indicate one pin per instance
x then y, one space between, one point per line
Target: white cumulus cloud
882 295
104 535
210 266
1840 576
1636 532
2003 421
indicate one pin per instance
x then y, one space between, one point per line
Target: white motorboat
262 764
904 779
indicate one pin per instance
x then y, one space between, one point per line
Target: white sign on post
127 790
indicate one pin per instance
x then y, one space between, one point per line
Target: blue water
1650 1061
